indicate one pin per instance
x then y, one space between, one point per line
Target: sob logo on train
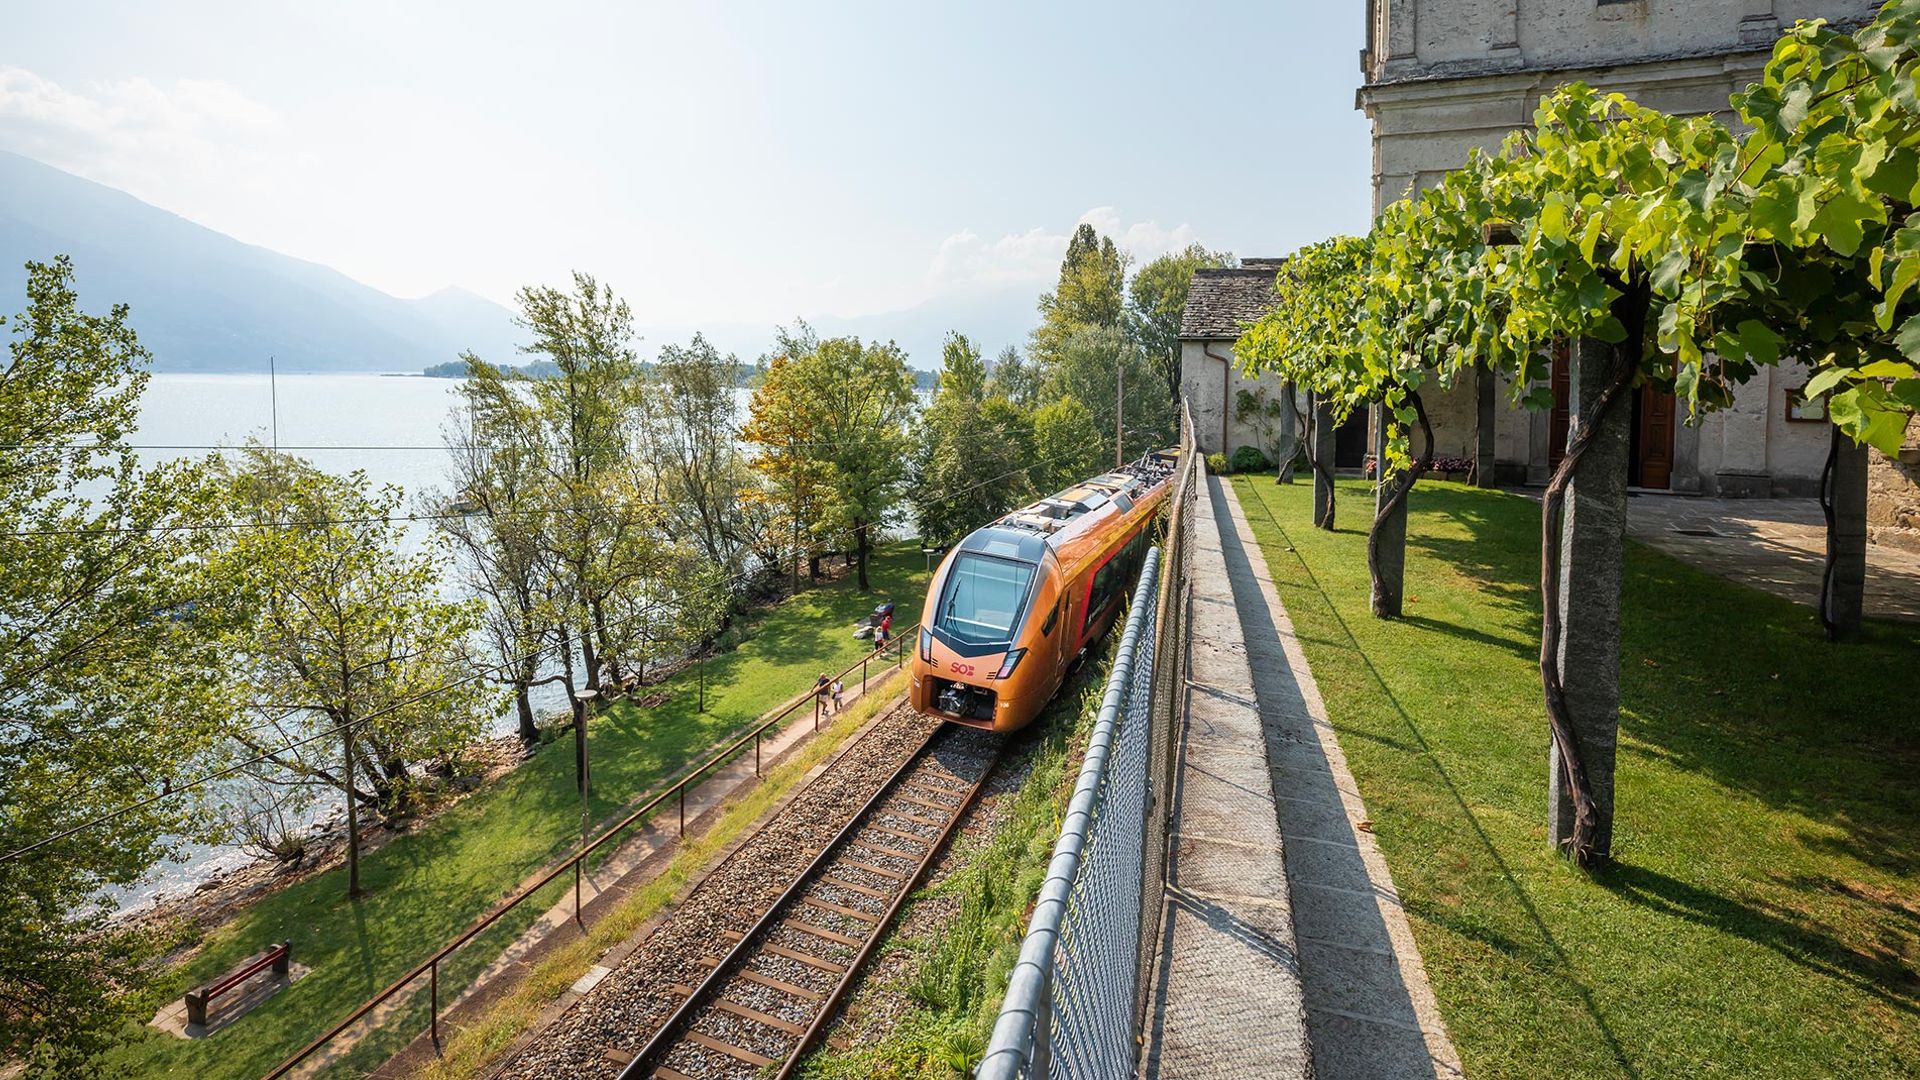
960 669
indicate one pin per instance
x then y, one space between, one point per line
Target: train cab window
983 599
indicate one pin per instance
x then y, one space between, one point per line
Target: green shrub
1250 459
1217 464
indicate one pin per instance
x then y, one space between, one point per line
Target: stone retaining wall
1893 494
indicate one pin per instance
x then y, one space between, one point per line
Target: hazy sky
710 160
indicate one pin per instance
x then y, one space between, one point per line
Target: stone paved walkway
1370 1010
1774 544
1281 902
1227 997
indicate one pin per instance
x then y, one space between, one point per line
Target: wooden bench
279 958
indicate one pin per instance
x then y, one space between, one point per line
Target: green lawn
424 887
1762 914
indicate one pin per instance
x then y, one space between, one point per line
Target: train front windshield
983 599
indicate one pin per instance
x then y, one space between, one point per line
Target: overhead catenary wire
172 789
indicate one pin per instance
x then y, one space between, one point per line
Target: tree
1328 335
1091 292
1068 445
1831 164
702 601
789 509
1623 231
599 514
498 479
1156 298
831 421
107 677
693 447
1015 379
1106 371
349 668
973 449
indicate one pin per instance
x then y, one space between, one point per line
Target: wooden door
1657 415
1557 420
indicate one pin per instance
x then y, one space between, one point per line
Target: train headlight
1012 661
926 645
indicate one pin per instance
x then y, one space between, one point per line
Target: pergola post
1289 446
1389 532
1484 467
1323 440
1847 594
1592 543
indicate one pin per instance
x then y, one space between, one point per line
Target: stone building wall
1212 386
1445 76
1893 494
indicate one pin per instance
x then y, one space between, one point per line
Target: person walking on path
880 633
820 687
838 687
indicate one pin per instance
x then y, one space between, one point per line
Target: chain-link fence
1075 998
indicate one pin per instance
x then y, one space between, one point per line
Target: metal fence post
434 978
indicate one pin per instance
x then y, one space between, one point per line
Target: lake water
388 427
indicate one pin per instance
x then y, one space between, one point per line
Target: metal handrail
1019 1033
431 966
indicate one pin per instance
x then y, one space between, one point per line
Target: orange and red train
1015 602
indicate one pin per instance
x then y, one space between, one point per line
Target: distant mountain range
203 301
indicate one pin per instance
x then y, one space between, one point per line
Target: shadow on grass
1522 649
1880 972
1725 680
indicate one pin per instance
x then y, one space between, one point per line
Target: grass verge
426 885
1762 913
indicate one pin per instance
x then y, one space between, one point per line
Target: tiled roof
1221 302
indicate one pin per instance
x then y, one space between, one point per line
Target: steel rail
671 1030
859 961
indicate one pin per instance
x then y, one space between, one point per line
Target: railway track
768 992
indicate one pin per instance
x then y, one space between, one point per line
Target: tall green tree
1091 292
1103 369
1015 379
107 677
1068 445
333 633
972 449
1157 296
693 446
601 512
846 405
499 479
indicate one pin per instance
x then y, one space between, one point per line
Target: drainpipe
1226 390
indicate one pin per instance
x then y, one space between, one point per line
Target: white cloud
968 260
154 140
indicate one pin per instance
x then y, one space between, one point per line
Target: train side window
1046 628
